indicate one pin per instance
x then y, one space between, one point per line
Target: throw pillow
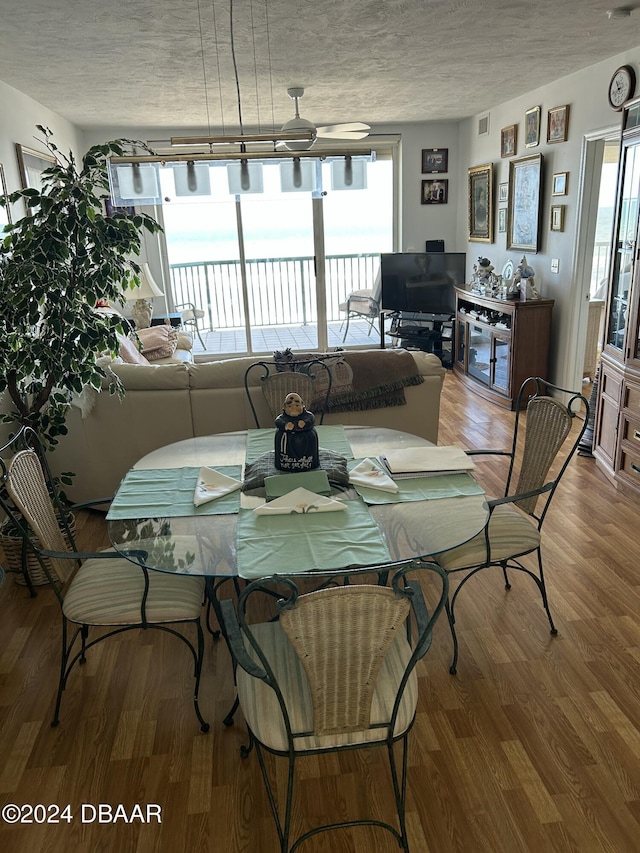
185 341
129 352
158 341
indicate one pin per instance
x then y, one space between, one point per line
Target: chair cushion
109 592
262 711
511 532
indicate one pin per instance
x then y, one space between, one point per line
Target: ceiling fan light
298 124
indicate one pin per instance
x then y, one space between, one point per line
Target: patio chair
310 378
334 670
363 303
95 590
191 317
539 456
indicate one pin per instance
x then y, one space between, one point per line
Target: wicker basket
11 545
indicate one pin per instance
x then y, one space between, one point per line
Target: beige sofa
171 402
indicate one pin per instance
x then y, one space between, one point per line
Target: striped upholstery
109 592
262 711
511 532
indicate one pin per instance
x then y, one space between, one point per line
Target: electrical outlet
555 265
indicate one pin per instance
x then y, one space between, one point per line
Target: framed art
32 164
481 204
557 217
503 192
509 141
532 127
525 195
502 219
435 191
5 212
560 180
558 124
435 160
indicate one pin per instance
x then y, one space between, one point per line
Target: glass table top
206 545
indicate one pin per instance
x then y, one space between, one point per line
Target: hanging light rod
130 159
241 138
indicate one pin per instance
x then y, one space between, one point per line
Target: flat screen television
422 282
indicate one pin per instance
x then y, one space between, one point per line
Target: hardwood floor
533 746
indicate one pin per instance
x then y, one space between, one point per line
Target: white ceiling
138 63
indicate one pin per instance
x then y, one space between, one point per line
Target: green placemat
161 492
280 544
421 488
332 437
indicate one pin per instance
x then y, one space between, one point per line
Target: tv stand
427 332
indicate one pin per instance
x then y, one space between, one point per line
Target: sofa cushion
129 352
158 341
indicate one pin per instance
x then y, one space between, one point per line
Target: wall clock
622 86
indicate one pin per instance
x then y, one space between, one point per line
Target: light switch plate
555 265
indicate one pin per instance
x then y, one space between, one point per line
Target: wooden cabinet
499 343
617 422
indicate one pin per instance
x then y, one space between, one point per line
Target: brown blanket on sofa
361 380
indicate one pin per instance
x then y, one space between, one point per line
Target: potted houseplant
56 263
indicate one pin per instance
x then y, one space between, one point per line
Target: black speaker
435 246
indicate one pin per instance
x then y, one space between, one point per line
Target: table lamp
147 289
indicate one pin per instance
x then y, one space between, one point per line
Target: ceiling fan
350 131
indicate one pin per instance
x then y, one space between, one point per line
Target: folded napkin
212 484
299 500
367 473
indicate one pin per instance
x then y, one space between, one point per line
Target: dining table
153 519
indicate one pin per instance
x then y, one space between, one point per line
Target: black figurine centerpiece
296 442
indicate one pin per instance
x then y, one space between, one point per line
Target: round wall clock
622 86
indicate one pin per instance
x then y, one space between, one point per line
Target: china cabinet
617 421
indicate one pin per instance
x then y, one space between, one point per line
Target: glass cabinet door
624 246
479 358
501 354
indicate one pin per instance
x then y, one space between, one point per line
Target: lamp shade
147 288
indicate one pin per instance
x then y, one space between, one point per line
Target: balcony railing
279 290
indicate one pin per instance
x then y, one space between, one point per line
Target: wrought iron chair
191 316
363 303
310 378
335 672
95 590
538 458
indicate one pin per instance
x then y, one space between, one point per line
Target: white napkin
299 500
212 484
367 473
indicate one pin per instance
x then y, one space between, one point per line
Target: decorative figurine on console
484 280
296 442
524 283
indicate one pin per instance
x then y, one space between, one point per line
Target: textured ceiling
137 63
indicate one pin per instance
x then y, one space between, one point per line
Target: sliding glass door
270 268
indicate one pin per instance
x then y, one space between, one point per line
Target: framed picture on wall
435 192
502 219
481 204
5 211
32 164
532 127
509 141
558 124
560 183
435 160
525 194
557 217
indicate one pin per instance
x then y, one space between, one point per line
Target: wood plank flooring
533 746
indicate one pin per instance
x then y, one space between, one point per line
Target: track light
192 178
137 179
348 171
245 179
297 172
